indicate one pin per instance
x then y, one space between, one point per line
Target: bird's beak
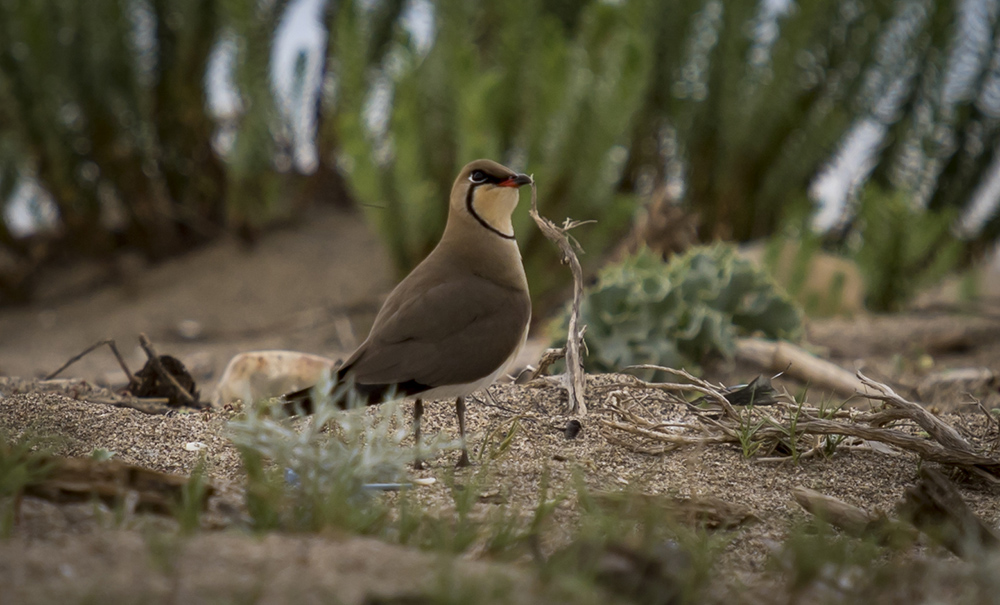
515 181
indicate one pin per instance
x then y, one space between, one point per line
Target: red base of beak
515 181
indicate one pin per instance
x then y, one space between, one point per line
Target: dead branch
674 439
853 520
711 392
937 428
627 414
134 397
648 450
82 479
708 512
114 349
850 519
146 405
627 380
796 425
548 358
991 421
574 378
818 449
81 390
778 356
935 507
884 417
726 433
925 448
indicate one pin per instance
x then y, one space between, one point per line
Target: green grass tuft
23 461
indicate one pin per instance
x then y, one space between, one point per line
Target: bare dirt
316 289
311 288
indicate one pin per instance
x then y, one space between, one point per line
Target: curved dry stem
574 380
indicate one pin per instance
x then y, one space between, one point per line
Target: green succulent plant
678 314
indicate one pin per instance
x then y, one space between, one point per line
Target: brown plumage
458 320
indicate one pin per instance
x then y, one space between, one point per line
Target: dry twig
925 448
82 479
940 430
854 521
114 349
146 405
706 512
851 519
935 507
710 391
574 378
548 358
991 421
793 425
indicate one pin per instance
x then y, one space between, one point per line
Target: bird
459 319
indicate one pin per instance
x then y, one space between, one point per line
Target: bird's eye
478 177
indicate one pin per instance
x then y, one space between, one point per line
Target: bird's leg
418 412
460 410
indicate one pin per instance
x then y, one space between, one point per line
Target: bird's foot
463 461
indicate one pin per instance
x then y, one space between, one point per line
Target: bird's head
488 193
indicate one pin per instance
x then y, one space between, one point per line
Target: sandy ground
81 550
316 289
128 567
313 288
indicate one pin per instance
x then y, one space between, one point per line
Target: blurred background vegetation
867 127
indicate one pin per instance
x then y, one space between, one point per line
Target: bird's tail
301 401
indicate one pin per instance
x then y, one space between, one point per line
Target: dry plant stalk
939 429
792 423
853 520
933 506
111 481
936 507
548 358
81 390
850 519
148 405
132 380
574 379
710 391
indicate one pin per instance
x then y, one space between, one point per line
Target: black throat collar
482 221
